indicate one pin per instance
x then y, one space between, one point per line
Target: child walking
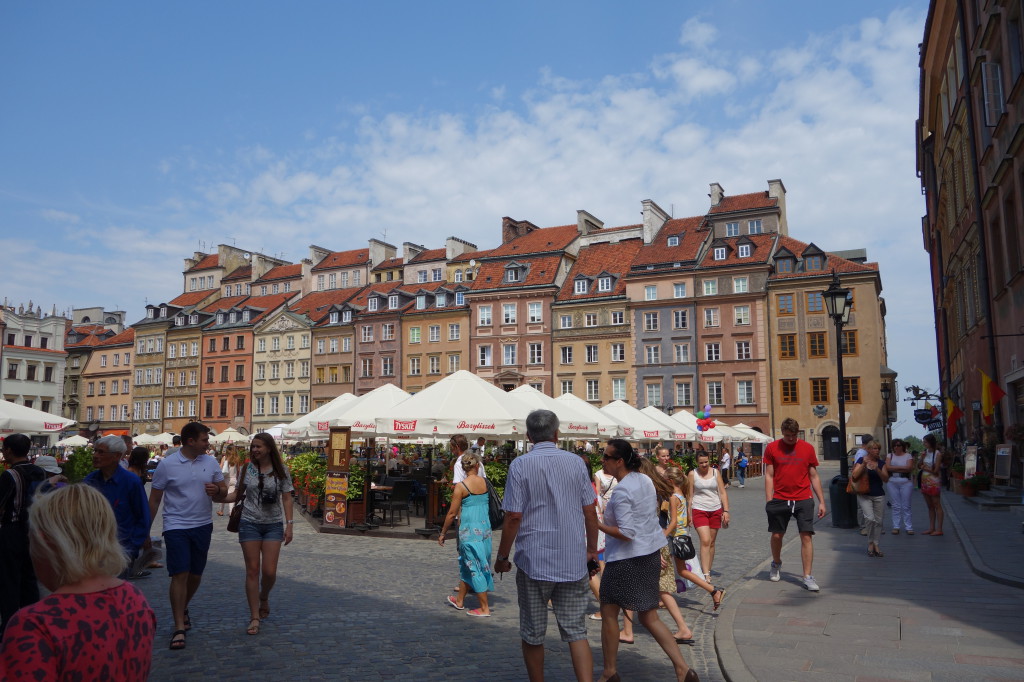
678 524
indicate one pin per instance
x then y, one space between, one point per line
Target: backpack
21 500
494 511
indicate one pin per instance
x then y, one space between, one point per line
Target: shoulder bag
235 518
858 486
682 547
494 511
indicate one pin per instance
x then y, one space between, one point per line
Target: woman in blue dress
469 501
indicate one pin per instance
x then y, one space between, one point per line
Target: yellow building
282 364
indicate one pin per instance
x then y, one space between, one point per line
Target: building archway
831 448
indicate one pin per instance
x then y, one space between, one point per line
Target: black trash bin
844 505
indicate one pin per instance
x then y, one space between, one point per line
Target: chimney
513 229
410 251
307 276
778 190
453 246
380 252
586 222
654 218
716 194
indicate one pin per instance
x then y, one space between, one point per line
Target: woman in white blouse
633 560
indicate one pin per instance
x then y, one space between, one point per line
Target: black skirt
632 583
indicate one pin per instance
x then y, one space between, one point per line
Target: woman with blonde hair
229 464
931 484
93 625
872 503
678 524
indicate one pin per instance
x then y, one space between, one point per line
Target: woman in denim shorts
266 523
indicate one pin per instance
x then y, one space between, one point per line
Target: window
651 293
740 285
434 333
508 354
321 346
653 354
618 317
732 229
618 352
458 275
88 413
261 370
711 318
274 400
712 352
172 349
453 362
346 344
239 372
275 343
819 390
651 322
743 350
512 275
534 313
170 409
226 344
590 320
745 392
371 304
815 302
787 346
604 283
434 362
387 331
566 386
454 331
275 370
848 342
367 336
710 287
682 352
387 366
224 374
414 334
679 290
346 316
366 368
103 360
715 393
680 319
261 345
138 377
536 354
683 393
817 346
653 394
484 355
421 276
754 227
784 304
851 389
719 253
591 353
812 263
289 342
618 389
566 352
124 386
239 343
441 300
508 313
257 407
565 321
673 240
435 275
460 298
741 314
593 392
484 315
789 391
580 286
421 302
784 265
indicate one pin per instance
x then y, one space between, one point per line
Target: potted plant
356 500
317 484
967 488
981 481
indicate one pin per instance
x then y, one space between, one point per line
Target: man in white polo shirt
187 481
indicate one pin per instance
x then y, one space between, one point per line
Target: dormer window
248 289
673 240
245 316
512 275
193 319
393 301
604 284
744 251
371 304
784 265
334 318
346 316
220 318
812 263
460 298
580 286
163 311
719 253
458 275
179 321
421 302
442 300
150 313
232 317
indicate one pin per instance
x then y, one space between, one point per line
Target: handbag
235 518
494 511
682 547
858 486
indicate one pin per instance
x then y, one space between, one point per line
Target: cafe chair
398 501
419 495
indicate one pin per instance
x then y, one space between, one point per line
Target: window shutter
992 84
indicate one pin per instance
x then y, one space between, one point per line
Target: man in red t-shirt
790 474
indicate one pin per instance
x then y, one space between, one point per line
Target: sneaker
863 531
742 486
810 584
774 575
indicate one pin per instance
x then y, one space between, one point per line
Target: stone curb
974 558
729 659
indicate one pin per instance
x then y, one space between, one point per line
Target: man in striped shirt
551 516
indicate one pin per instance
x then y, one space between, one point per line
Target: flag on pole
935 410
953 415
990 395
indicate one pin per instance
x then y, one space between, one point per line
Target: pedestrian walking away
265 489
469 499
872 503
723 464
741 469
186 482
931 484
899 464
634 545
18 484
790 477
709 504
550 515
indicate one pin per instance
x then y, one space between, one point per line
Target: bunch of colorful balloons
704 420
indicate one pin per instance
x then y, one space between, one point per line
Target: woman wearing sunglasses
266 499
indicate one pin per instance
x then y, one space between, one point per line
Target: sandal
477 613
188 621
878 553
264 610
176 643
253 629
721 594
454 604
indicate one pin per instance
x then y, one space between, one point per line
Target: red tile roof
472 255
691 237
282 272
127 337
389 263
762 248
225 303
744 202
242 273
595 259
840 265
377 287
191 298
95 334
542 240
429 255
207 263
343 259
317 304
541 270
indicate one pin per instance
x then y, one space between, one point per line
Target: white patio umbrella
229 435
16 418
276 431
753 435
679 431
731 432
571 421
361 414
165 438
644 427
301 427
459 403
607 426
145 439
75 441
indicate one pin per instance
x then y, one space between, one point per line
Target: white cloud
55 216
697 34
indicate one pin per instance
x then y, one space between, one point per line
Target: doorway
830 445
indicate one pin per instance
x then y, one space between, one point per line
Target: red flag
990 395
953 415
935 410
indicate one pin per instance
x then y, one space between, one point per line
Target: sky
133 134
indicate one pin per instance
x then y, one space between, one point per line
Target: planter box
356 512
958 486
968 489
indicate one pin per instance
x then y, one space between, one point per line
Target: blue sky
133 132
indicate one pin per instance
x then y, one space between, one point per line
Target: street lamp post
886 394
838 304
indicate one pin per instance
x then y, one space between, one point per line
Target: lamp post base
843 504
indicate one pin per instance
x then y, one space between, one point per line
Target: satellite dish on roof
246 256
472 262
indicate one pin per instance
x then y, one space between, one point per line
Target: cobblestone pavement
356 608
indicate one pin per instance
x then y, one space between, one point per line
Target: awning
116 432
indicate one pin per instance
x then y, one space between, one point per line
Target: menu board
971 460
338 450
1002 464
336 501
